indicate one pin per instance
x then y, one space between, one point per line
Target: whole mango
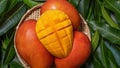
29 47
66 7
80 52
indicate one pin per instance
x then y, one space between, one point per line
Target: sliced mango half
54 30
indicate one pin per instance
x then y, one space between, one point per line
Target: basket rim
84 23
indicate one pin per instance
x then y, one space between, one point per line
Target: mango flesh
54 30
29 47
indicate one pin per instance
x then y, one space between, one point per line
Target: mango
66 7
55 32
80 52
30 48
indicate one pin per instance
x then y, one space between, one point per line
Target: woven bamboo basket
34 13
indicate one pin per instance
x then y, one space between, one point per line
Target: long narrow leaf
3 4
95 40
115 53
12 20
112 4
30 3
5 43
112 60
15 65
104 54
11 4
97 63
108 18
10 52
97 58
111 34
85 7
75 2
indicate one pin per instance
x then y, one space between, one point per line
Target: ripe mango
80 52
55 32
29 47
66 7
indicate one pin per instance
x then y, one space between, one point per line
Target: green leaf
104 54
12 20
3 4
111 34
108 18
96 11
95 40
30 3
10 52
15 65
5 43
114 52
3 66
113 5
9 9
85 7
97 63
74 2
112 60
11 4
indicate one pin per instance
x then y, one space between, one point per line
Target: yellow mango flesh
55 32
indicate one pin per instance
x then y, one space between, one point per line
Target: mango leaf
3 4
12 20
95 40
5 43
11 4
30 3
3 66
75 2
112 60
9 9
108 18
96 59
10 52
114 52
97 63
84 6
14 64
104 54
114 6
109 33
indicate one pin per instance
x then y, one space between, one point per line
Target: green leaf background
103 19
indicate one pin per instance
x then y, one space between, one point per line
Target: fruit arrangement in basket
52 34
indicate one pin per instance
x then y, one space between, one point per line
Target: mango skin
79 54
30 48
66 7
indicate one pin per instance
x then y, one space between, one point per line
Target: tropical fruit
55 32
80 52
29 47
66 7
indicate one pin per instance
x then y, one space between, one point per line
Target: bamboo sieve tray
34 13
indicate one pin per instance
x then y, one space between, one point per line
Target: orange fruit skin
79 54
29 47
66 7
